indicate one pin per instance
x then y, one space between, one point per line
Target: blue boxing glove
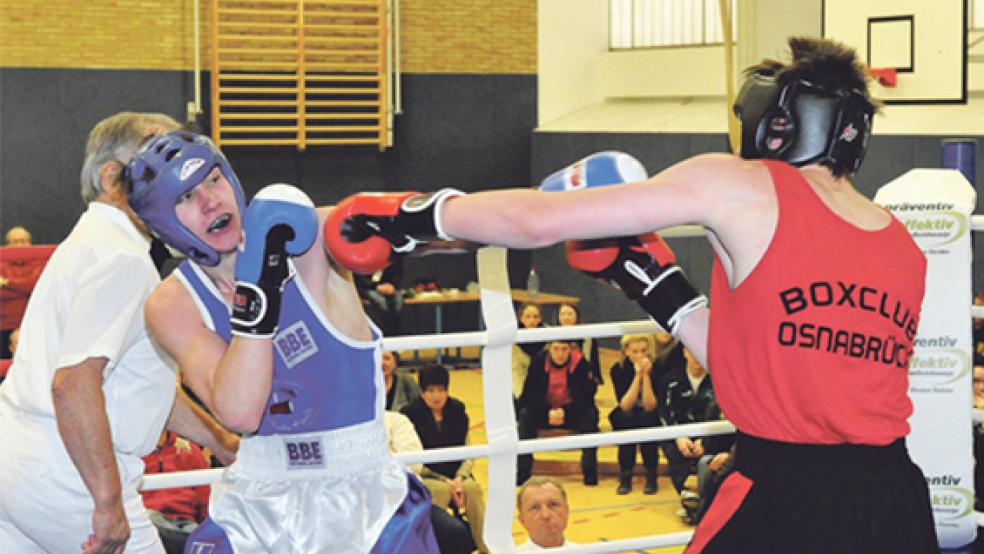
596 170
643 267
280 222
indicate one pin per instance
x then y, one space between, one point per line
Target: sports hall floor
596 513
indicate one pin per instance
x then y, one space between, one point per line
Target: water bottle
533 284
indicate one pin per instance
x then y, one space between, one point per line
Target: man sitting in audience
687 394
543 511
383 297
453 535
559 394
17 280
441 421
400 388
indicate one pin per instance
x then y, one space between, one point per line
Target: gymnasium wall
469 92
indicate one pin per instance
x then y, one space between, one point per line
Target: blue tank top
322 380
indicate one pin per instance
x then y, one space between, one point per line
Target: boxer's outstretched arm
700 190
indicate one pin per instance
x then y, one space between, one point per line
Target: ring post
960 154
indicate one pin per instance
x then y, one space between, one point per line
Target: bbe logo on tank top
294 344
820 295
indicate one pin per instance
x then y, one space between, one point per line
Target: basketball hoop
886 76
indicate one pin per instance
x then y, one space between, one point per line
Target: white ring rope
503 445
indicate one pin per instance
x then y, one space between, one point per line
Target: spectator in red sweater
176 512
17 279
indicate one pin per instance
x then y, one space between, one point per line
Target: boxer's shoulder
728 170
170 301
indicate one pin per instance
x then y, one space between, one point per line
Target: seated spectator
177 511
559 394
636 408
14 339
687 392
452 534
570 314
529 317
979 433
6 362
441 421
667 357
17 280
713 467
401 389
979 326
543 511
383 297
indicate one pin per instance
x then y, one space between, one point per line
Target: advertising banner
935 205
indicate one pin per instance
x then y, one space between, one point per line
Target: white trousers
44 504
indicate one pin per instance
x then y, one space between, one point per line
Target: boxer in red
816 293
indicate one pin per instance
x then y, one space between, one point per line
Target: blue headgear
802 123
161 172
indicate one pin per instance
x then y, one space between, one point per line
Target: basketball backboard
924 42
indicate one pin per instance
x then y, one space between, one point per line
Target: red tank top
813 346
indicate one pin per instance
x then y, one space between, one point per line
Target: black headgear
802 123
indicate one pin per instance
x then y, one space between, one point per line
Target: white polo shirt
530 546
89 303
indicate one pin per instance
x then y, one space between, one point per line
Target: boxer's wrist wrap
671 299
256 306
255 311
663 291
645 269
416 221
420 218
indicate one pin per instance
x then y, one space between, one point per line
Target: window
661 23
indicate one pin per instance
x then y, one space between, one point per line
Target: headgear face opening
802 123
161 172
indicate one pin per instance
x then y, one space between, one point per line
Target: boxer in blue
295 368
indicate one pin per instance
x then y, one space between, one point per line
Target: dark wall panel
45 117
468 131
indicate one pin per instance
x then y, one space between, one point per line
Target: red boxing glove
365 230
645 269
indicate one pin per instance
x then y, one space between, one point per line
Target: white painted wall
572 34
583 87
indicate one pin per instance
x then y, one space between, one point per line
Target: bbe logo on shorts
201 548
295 344
304 454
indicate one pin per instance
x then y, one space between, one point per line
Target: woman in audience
636 407
667 357
441 421
569 314
400 388
529 317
